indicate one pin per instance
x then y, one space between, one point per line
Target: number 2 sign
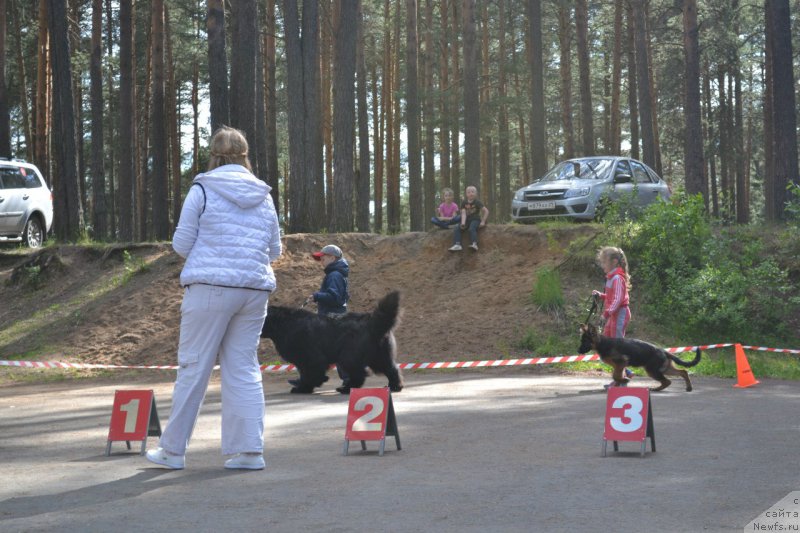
629 417
370 416
133 417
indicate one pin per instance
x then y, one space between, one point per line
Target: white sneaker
474 246
246 462
161 457
455 248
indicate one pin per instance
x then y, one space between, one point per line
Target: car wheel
33 236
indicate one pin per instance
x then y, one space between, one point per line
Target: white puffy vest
233 243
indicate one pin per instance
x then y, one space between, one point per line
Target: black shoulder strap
204 195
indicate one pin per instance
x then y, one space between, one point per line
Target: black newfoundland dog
355 341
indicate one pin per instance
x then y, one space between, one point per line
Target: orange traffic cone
744 374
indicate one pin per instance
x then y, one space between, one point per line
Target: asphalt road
495 450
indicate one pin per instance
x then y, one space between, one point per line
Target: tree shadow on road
145 480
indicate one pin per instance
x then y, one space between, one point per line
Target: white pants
226 322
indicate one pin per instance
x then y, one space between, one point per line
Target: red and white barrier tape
404 366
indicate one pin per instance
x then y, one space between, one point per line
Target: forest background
359 112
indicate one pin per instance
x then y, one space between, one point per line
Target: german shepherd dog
619 353
355 340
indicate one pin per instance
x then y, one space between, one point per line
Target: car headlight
519 195
576 193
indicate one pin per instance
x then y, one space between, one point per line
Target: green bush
706 284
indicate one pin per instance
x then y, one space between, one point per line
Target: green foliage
546 345
132 265
547 293
32 277
706 284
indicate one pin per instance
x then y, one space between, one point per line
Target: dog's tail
686 363
384 318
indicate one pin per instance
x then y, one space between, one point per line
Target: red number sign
629 416
133 417
626 413
370 416
366 416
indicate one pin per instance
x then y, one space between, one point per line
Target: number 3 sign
133 417
629 417
370 416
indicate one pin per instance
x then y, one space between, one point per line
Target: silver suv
581 188
26 204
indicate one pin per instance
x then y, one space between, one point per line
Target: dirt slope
462 305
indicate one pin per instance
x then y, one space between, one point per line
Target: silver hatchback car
26 204
580 188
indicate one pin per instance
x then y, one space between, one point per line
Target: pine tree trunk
429 119
23 85
217 65
616 76
587 122
111 116
523 142
173 107
5 118
455 105
769 133
344 116
160 189
127 122
260 115
393 208
67 205
444 99
643 83
99 211
42 130
143 185
722 112
243 74
307 206
415 195
273 173
565 71
363 174
633 104
785 118
326 44
504 209
471 105
538 120
712 144
693 137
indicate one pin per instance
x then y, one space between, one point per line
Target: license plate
541 205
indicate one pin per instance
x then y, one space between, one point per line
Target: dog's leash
593 308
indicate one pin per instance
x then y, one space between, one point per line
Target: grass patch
547 293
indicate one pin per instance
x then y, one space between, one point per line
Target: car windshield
589 169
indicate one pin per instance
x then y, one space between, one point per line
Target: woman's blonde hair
616 254
228 146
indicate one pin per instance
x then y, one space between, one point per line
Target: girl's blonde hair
613 253
228 146
447 191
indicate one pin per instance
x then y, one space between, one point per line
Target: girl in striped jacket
616 311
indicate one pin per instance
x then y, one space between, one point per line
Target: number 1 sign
370 416
133 417
629 417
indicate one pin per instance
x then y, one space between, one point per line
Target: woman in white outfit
229 234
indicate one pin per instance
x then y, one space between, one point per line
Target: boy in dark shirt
473 216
